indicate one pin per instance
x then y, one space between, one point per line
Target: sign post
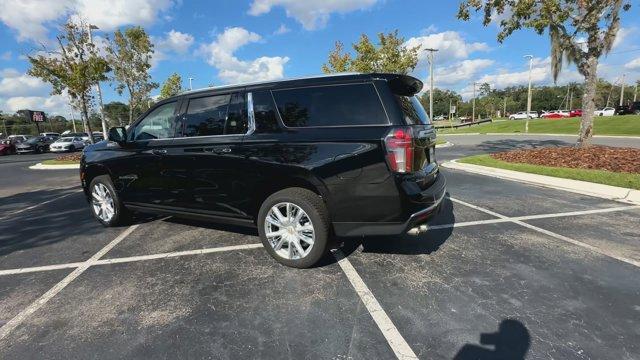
37 117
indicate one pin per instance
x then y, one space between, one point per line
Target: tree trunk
85 114
588 102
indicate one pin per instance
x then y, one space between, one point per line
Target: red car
556 114
575 113
7 147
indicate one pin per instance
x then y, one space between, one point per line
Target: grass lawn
60 162
626 180
604 125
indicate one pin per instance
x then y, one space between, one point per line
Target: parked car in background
608 111
631 109
523 115
19 138
556 114
347 154
67 144
37 145
575 113
7 147
54 135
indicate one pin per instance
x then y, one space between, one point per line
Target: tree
116 110
581 31
129 54
171 87
389 55
441 100
73 67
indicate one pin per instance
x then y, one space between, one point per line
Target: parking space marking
533 217
18 319
40 268
9 214
397 343
550 233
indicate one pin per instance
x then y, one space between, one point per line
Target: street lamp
104 122
430 59
190 87
526 124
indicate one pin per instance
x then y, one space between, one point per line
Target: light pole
526 124
473 107
430 60
104 122
635 92
622 90
190 87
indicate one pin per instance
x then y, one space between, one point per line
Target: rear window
336 105
412 110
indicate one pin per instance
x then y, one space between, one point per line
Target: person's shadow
512 341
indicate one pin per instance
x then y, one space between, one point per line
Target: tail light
399 146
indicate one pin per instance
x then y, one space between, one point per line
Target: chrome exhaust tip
418 230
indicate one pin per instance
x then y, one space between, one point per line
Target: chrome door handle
159 151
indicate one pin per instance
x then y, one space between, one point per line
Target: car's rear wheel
294 227
106 206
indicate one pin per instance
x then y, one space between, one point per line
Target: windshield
33 140
65 140
413 111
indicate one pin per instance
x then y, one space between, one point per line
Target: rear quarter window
412 110
333 105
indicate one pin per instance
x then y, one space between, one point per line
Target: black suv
301 159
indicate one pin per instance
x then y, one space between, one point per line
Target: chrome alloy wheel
102 202
289 231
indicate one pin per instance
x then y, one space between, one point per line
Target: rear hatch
423 134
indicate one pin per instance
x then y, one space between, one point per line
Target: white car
608 111
523 115
67 144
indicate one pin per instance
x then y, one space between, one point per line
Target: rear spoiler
404 85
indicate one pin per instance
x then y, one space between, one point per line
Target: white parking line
551 233
531 217
18 319
11 213
397 343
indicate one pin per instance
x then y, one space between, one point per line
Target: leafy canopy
580 30
171 87
389 55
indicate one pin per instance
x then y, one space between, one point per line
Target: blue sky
235 41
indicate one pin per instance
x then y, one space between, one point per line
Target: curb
41 166
445 145
609 192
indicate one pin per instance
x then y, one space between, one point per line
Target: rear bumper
424 204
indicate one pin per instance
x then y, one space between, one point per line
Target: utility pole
473 106
104 121
71 113
622 91
635 92
526 123
430 59
190 87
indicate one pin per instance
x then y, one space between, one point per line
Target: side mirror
118 135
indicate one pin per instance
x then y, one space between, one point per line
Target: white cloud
20 91
174 42
31 18
450 45
220 54
283 29
461 71
312 14
55 104
621 36
13 83
633 64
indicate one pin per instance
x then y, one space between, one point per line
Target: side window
264 112
158 124
216 115
335 105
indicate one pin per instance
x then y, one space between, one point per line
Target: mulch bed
614 159
70 157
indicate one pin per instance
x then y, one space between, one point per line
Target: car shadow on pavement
515 144
402 244
511 341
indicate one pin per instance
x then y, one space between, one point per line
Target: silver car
67 144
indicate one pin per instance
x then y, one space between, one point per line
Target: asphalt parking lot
507 270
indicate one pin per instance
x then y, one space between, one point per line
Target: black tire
317 212
121 214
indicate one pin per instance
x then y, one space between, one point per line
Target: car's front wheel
105 203
294 227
